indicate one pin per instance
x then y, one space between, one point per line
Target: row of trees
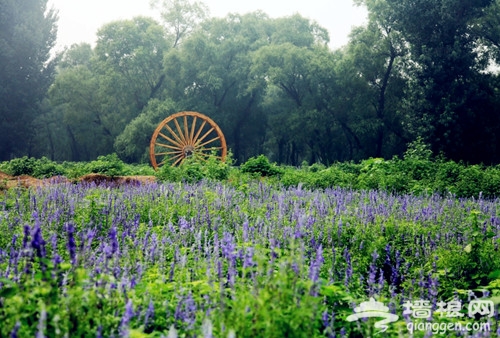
418 68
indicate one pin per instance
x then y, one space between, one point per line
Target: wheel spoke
186 130
199 132
169 153
173 142
167 146
170 140
205 135
178 160
179 130
191 138
176 156
175 135
212 140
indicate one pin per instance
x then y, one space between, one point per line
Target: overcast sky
79 20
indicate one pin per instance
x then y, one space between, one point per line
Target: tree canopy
417 70
27 34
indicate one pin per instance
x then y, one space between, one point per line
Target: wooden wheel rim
185 134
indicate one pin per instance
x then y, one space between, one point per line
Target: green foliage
193 170
274 312
416 173
21 166
260 165
318 176
132 144
418 150
40 168
28 32
109 165
46 168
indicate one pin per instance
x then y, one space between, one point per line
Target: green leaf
7 292
494 274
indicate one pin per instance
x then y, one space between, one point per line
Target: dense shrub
21 166
45 168
109 165
260 165
417 173
194 170
470 181
373 174
446 176
40 168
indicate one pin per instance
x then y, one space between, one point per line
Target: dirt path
24 181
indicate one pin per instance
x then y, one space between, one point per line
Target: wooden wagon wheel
186 134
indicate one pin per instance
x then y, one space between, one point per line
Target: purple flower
172 271
42 323
15 330
248 258
150 313
127 316
26 237
324 318
316 265
348 270
186 310
70 230
99 332
372 277
113 237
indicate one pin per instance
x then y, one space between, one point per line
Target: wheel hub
188 151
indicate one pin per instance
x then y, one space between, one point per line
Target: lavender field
254 260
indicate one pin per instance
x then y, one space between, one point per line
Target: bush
446 177
372 175
260 165
470 181
46 168
491 182
40 168
109 165
333 177
294 177
194 170
21 166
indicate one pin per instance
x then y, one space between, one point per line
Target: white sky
79 20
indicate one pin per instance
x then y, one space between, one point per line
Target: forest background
418 70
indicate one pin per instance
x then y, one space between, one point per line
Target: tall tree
210 73
379 55
450 97
27 34
180 17
98 92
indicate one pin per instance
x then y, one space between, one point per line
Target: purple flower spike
15 330
316 265
127 316
37 241
70 230
150 313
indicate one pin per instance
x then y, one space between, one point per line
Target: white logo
423 311
374 309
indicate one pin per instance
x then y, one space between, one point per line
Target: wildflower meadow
211 259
